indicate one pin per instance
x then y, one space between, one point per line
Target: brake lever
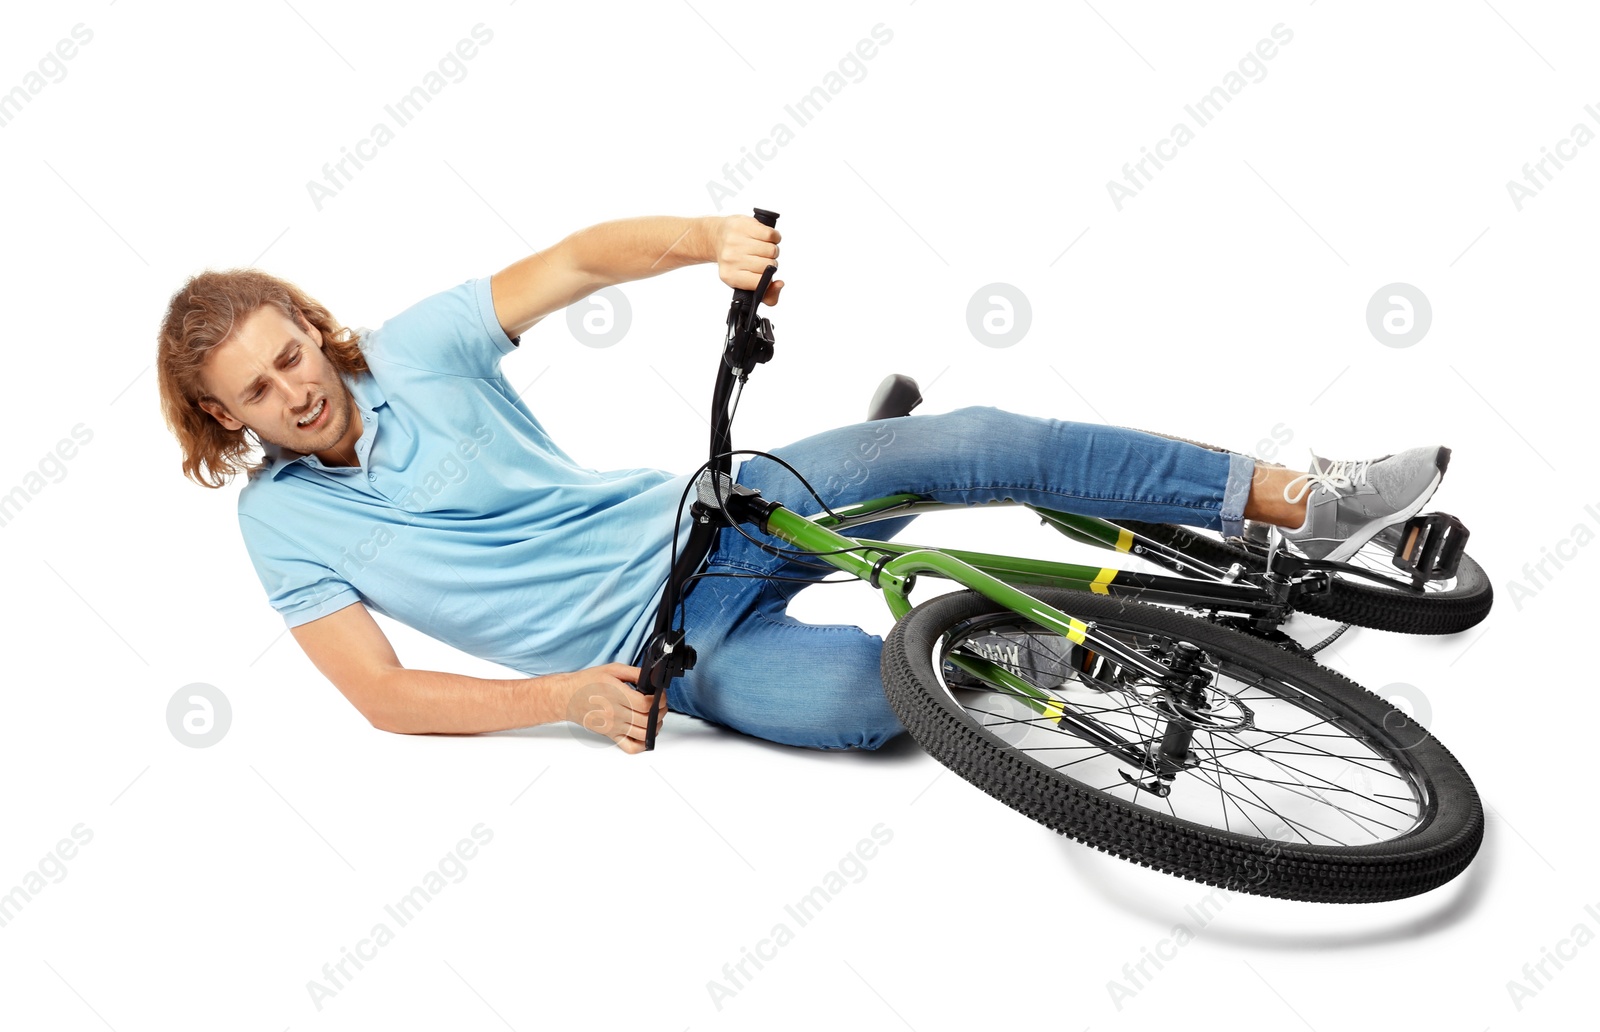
752 343
749 340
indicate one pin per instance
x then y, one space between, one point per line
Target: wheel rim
1268 760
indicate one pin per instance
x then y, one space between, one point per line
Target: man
401 473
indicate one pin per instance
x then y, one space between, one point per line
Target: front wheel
1288 780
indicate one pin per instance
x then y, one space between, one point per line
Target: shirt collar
368 397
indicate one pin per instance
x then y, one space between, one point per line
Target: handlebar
768 219
748 343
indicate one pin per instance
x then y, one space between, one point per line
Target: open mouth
316 417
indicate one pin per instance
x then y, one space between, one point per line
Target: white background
1225 300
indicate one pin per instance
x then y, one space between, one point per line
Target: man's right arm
351 650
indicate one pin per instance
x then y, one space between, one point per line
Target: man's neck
344 452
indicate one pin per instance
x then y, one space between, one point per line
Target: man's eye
296 359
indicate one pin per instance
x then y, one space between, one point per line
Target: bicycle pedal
1431 545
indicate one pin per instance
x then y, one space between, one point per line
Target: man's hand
744 248
604 700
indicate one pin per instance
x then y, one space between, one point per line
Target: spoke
1226 795
1288 788
1311 794
1355 761
1296 770
1290 768
1294 825
1095 714
1317 734
1359 761
1065 703
1053 728
1304 752
1082 759
1312 750
1276 736
1106 644
1333 787
1007 718
1044 723
1281 771
1290 824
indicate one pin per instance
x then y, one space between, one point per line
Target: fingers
747 277
748 247
758 230
607 717
611 706
629 730
640 715
754 247
633 741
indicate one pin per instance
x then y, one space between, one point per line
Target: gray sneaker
1352 501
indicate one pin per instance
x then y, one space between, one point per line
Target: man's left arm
631 249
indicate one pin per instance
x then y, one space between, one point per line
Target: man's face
270 375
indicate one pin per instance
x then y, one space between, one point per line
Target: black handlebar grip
766 218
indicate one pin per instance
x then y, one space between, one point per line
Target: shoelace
1341 475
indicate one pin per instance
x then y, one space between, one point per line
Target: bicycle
1079 695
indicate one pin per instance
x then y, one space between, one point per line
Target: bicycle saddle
897 395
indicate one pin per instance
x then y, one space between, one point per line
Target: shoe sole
1357 541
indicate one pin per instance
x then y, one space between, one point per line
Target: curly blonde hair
202 316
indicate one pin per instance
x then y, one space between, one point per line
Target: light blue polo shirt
464 519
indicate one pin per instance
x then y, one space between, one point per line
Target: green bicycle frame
893 567
1216 591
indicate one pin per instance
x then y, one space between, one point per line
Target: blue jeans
764 673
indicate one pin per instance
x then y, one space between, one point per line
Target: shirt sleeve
299 587
455 332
